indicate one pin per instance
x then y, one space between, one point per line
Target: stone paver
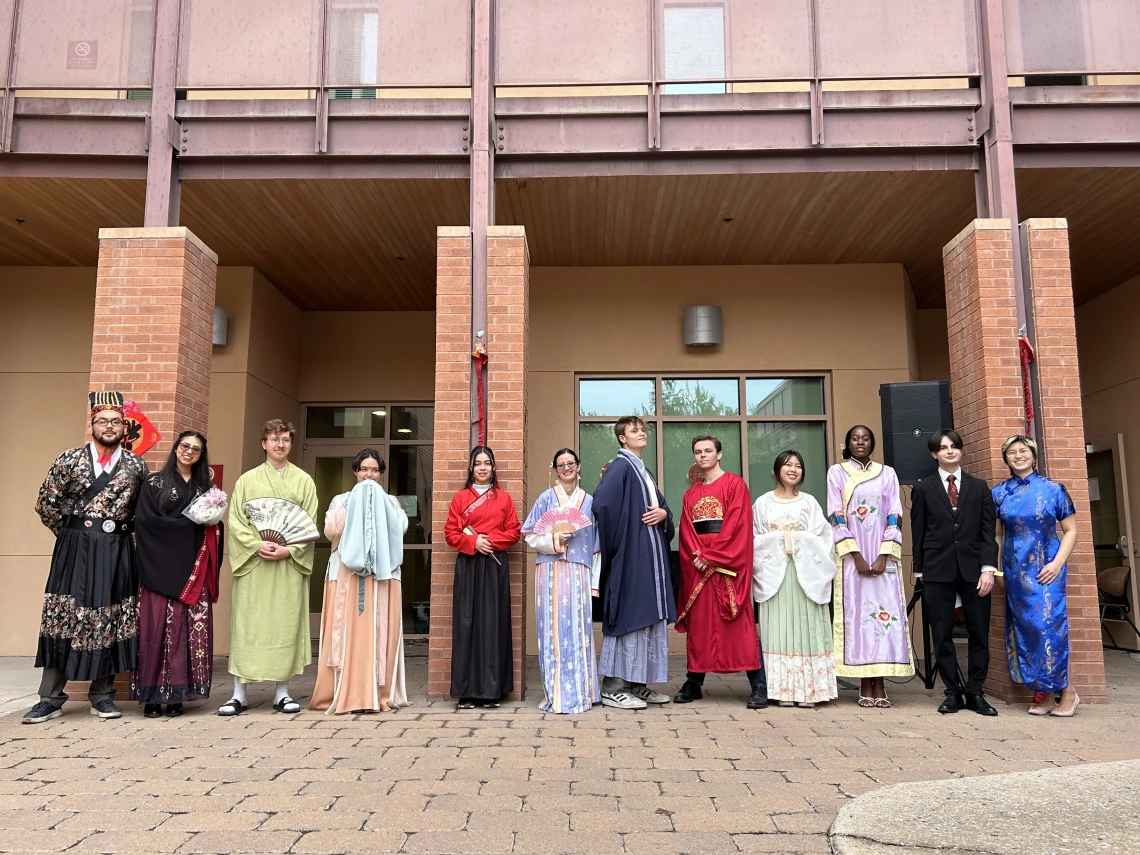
708 777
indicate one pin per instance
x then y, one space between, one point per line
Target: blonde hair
1013 440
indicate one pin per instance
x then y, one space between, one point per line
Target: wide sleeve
507 535
813 552
334 521
769 561
453 528
543 543
837 511
918 527
303 554
51 495
607 509
667 527
244 538
892 506
731 547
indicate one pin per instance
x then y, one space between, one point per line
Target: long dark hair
847 440
199 471
784 457
475 452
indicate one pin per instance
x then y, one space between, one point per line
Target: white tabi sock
239 691
282 692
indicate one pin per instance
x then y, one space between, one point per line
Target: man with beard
89 627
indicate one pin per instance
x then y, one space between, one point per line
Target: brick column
508 284
452 434
985 380
1062 425
154 321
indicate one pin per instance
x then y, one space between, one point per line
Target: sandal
232 707
287 705
883 703
865 702
786 704
807 706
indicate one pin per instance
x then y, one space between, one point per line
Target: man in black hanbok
89 628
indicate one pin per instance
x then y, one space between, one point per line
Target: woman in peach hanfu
361 663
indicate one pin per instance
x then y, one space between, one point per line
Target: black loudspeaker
911 413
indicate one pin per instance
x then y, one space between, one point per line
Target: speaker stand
927 674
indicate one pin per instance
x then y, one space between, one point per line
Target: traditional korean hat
101 401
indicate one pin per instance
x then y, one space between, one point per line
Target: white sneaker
648 695
622 701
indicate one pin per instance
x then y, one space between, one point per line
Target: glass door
402 434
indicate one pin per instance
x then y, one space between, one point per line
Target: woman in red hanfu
481 526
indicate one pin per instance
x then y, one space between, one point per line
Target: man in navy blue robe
635 527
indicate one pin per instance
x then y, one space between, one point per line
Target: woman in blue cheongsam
1033 560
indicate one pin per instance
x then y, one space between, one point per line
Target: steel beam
250 168
72 166
482 134
163 196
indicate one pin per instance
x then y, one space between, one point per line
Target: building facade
873 191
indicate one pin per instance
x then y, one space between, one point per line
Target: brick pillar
154 321
985 380
508 284
452 434
1063 434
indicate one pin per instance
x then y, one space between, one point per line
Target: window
694 48
754 417
354 38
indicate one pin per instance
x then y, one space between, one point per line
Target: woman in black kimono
178 562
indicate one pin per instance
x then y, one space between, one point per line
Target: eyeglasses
188 447
105 422
566 467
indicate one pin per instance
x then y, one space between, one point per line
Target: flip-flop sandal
866 703
232 707
287 705
882 703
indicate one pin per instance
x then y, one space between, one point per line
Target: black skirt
482 666
90 625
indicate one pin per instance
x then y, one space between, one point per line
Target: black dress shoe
690 691
173 710
759 699
152 711
977 702
951 703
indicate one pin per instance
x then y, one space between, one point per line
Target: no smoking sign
83 54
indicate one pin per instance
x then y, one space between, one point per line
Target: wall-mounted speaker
911 413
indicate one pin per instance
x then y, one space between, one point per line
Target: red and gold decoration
480 357
141 434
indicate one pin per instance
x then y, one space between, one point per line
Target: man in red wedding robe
715 600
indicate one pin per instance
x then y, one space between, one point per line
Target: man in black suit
955 555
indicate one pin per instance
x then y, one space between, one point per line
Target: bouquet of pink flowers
209 508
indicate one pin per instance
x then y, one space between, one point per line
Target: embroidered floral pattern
71 475
879 618
89 628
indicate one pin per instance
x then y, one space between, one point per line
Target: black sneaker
41 712
106 709
173 710
690 691
759 699
152 711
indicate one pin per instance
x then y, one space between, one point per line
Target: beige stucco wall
1110 389
932 344
778 318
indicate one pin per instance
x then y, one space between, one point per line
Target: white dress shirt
96 450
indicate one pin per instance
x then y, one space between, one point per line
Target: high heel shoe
1057 712
1039 707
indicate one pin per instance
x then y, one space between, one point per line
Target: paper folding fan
562 521
281 521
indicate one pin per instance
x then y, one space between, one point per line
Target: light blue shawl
373 540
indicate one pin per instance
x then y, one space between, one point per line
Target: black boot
952 703
152 711
689 692
759 699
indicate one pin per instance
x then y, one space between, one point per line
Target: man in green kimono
269 610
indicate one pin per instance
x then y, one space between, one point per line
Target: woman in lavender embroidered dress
869 623
566 570
1033 560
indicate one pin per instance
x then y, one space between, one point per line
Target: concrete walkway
709 777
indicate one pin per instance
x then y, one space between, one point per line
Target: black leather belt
96 524
707 526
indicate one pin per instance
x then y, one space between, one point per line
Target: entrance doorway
402 434
1111 522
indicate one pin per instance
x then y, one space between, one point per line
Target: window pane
678 454
339 422
694 48
413 422
700 397
409 480
797 396
617 398
415 585
597 446
768 439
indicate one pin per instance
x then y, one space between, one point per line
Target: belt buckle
109 526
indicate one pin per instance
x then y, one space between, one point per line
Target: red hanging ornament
479 355
1027 356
